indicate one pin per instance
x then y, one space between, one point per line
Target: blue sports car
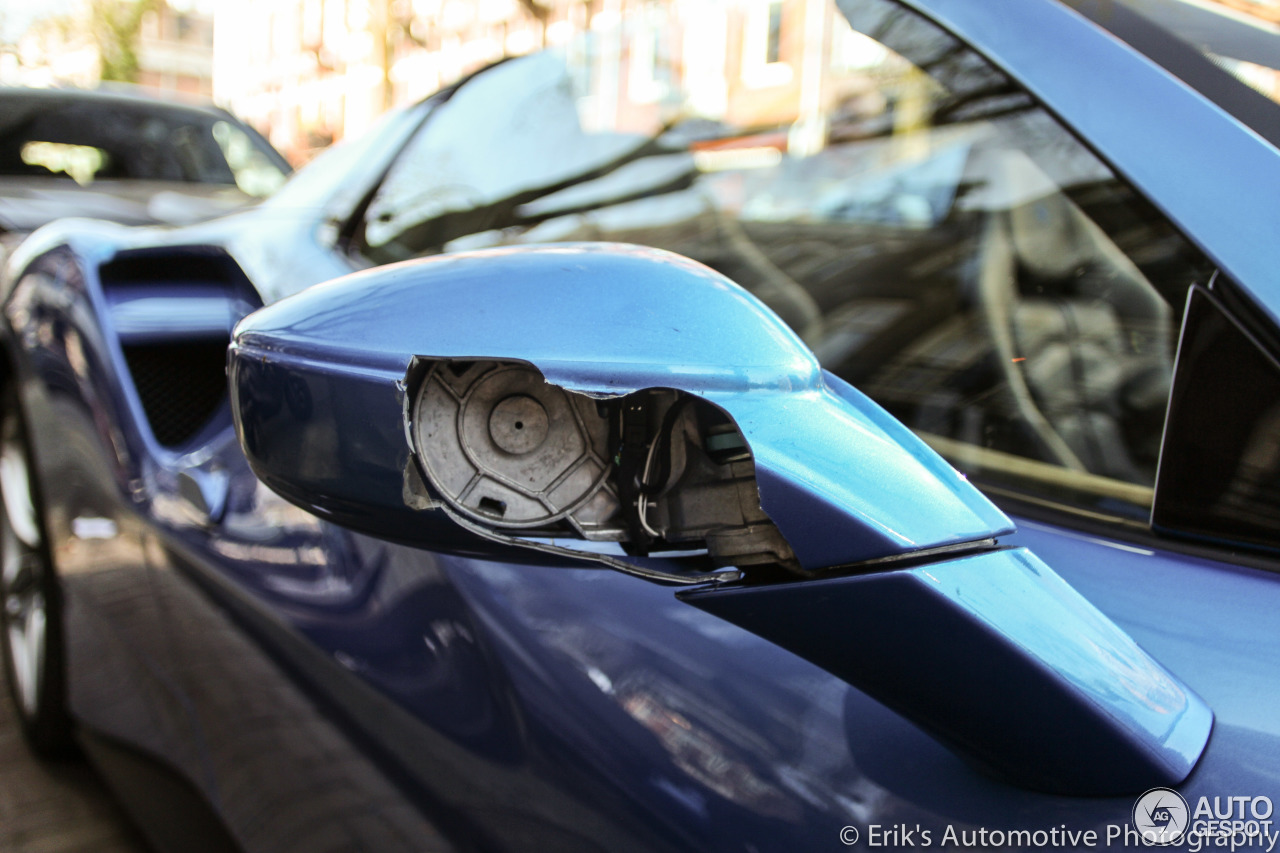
750 427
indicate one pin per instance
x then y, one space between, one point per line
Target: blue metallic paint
1016 670
647 700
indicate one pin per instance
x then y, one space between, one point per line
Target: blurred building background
310 72
82 43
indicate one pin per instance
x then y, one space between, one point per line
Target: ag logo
1160 816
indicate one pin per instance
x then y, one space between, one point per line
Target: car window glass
510 152
253 173
1221 462
331 184
93 140
937 237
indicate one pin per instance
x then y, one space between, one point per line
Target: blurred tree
116 26
540 13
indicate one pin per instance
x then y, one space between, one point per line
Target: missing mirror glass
656 471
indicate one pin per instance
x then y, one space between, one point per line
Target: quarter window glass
1221 466
937 238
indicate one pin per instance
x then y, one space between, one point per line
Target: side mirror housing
376 398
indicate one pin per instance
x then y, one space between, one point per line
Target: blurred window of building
764 59
773 37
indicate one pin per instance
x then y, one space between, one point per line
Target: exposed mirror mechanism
655 471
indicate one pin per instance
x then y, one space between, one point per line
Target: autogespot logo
1160 816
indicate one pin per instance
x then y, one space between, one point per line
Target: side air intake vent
172 311
181 385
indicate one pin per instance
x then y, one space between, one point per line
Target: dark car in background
124 156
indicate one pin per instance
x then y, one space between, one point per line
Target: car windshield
94 139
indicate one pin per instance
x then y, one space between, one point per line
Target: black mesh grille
181 385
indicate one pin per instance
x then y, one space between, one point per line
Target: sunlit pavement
54 807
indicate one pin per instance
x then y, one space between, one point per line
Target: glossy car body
320 687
